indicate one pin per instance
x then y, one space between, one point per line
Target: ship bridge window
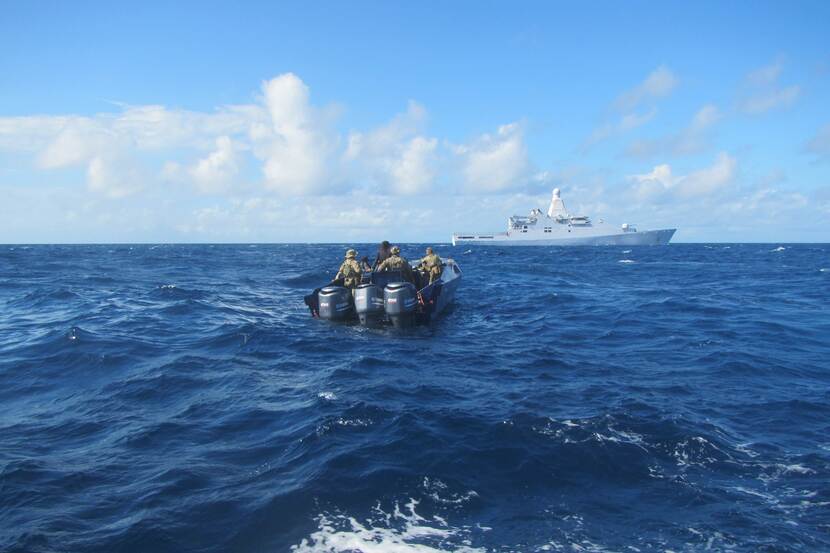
548 229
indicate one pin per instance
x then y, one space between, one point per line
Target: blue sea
179 398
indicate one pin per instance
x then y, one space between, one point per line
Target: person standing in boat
397 263
431 263
384 253
350 271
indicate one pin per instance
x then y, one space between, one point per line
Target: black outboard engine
399 301
368 303
335 303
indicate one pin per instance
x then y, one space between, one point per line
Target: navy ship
557 227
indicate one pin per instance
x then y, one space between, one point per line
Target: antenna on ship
557 206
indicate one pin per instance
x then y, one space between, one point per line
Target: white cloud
634 120
114 178
497 162
766 101
705 117
820 143
412 172
763 92
397 156
215 172
703 182
767 74
295 145
657 84
710 179
691 140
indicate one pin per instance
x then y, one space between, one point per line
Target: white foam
626 251
439 492
328 396
823 270
626 261
779 249
796 468
402 531
167 286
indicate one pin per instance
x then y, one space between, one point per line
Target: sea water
175 398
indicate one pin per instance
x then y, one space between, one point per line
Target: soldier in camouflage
350 270
431 263
397 263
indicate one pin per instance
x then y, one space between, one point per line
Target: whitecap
779 249
439 492
328 396
402 530
823 270
167 286
626 261
626 251
468 251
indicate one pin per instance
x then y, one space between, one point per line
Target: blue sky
188 122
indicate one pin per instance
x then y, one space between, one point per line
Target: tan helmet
395 250
350 253
429 250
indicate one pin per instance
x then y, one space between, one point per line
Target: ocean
179 398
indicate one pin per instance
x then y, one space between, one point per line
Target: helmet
396 249
350 253
429 250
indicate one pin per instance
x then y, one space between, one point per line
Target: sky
364 121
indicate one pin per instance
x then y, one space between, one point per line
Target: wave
155 397
402 529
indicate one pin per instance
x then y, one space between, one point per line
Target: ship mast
557 206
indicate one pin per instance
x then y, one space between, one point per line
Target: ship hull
643 238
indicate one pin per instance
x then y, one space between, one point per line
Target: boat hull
659 237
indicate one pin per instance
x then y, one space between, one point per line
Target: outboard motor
335 303
399 302
368 303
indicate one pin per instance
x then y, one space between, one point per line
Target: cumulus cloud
113 177
282 142
293 143
495 162
214 173
397 157
763 92
661 182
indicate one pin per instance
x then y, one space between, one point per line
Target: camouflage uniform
350 270
397 263
431 263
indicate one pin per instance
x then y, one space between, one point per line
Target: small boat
386 298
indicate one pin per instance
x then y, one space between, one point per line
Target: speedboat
386 298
